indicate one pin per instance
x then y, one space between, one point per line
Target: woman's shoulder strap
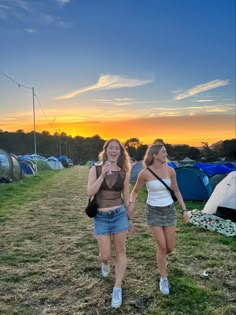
98 169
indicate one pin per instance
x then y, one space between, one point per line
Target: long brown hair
123 161
152 149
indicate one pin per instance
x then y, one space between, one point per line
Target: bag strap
160 179
97 174
97 171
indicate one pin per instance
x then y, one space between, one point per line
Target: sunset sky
119 68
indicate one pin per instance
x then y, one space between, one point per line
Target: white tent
224 195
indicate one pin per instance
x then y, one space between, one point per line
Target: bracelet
131 202
129 219
184 210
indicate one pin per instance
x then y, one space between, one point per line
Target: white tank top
158 194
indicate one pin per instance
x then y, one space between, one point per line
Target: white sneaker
164 286
105 269
116 297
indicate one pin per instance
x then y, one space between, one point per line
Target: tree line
83 149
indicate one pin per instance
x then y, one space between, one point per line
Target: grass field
49 259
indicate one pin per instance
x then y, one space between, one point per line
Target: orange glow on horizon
173 130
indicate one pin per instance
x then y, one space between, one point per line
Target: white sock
163 278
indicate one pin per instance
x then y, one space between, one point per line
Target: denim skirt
111 222
161 216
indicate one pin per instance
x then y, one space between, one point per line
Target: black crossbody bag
92 206
170 190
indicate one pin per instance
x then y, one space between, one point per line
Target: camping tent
223 198
37 161
193 183
216 168
54 163
135 170
65 161
138 166
187 161
26 167
9 167
215 179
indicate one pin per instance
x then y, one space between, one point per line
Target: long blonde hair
123 160
152 149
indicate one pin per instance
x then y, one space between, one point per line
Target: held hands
130 209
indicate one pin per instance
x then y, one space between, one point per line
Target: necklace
157 169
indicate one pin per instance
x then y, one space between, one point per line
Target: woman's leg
169 232
119 240
104 247
159 236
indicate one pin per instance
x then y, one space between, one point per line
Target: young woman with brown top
110 182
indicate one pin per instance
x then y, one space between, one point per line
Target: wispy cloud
63 2
32 14
192 110
202 88
107 82
124 99
216 110
117 101
203 101
30 30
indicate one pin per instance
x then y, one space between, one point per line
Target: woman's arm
174 186
134 193
125 191
94 183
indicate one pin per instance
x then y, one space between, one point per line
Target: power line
19 84
34 121
34 95
45 114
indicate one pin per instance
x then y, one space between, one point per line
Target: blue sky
117 60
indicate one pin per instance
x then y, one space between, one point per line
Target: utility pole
35 142
59 142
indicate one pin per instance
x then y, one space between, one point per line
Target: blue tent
65 161
135 170
54 163
138 166
26 168
215 179
216 168
193 183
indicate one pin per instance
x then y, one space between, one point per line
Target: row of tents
199 183
14 167
219 212
195 182
212 183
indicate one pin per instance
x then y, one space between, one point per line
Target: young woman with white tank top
160 209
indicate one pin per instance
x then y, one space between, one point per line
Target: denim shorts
111 222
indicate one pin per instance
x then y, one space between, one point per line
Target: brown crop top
109 194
